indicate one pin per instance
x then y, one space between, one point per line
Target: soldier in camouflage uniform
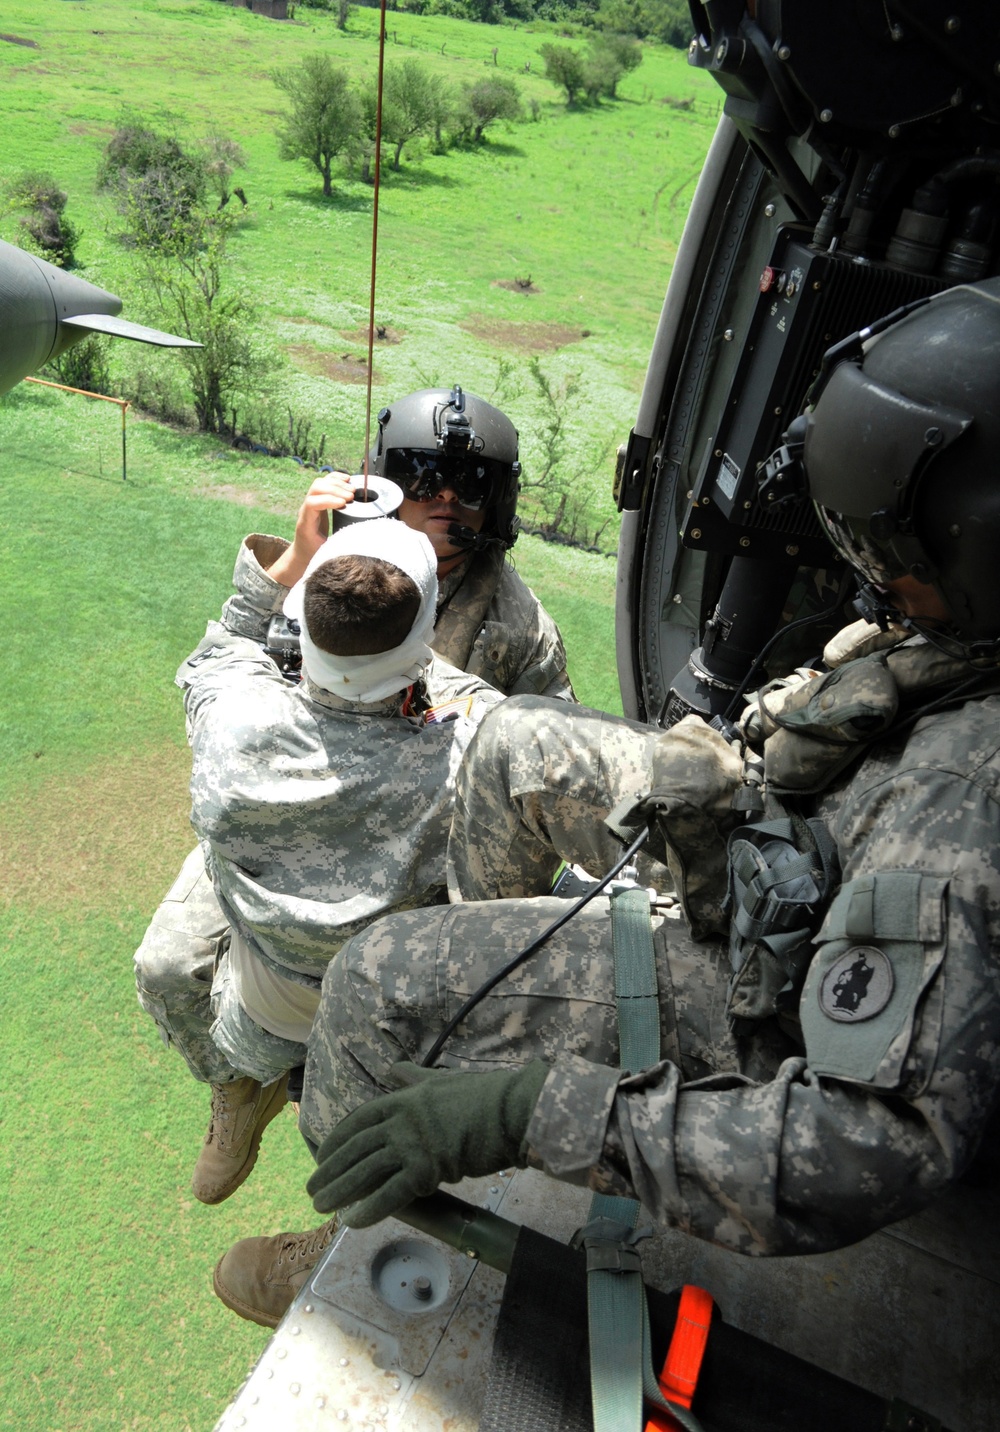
828 988
489 623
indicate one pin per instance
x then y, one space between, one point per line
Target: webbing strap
621 1369
636 993
616 1297
682 1365
615 1307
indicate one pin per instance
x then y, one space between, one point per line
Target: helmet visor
424 474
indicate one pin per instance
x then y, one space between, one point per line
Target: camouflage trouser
182 982
175 966
251 1049
392 989
534 787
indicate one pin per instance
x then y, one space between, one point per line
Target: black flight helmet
446 438
902 452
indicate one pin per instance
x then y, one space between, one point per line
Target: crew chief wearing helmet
455 457
837 976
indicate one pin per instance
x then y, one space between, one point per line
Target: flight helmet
901 451
439 438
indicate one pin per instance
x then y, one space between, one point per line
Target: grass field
110 1317
588 203
111 1323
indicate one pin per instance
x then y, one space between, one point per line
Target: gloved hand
695 774
442 1126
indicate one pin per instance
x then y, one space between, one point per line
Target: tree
666 20
44 227
444 109
191 282
408 105
180 236
156 183
611 57
222 157
485 102
324 114
554 488
414 102
566 68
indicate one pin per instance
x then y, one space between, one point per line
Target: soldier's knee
186 935
171 960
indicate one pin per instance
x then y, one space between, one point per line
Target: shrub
44 228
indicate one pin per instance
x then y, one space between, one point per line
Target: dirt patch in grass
17 40
383 334
527 337
516 285
341 367
75 842
247 497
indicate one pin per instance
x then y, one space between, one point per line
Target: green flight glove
441 1126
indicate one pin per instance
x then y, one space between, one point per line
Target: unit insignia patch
857 986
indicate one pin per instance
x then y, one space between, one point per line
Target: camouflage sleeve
519 647
231 649
898 1079
258 597
219 663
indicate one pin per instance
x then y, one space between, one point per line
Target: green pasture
110 1320
587 203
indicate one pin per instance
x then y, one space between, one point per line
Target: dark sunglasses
423 476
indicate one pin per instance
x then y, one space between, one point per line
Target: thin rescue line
371 288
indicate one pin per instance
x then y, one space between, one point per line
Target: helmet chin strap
875 605
471 541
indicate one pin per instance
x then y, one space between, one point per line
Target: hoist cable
371 287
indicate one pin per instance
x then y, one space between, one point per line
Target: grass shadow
341 200
499 147
414 178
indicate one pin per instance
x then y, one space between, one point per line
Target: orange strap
682 1364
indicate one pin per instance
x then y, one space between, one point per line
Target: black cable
536 944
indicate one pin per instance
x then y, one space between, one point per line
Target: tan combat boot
241 1111
259 1277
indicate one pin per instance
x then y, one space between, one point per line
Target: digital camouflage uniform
316 815
807 1129
489 624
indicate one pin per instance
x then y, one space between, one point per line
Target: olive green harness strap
621 1370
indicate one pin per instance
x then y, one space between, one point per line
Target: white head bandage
374 677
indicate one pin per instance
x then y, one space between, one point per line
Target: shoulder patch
857 986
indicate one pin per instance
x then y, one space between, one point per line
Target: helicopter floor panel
394 1332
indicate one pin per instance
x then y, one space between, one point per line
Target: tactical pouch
781 876
814 730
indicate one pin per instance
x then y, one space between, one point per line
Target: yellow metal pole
123 403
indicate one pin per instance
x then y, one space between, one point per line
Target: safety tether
621 1370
